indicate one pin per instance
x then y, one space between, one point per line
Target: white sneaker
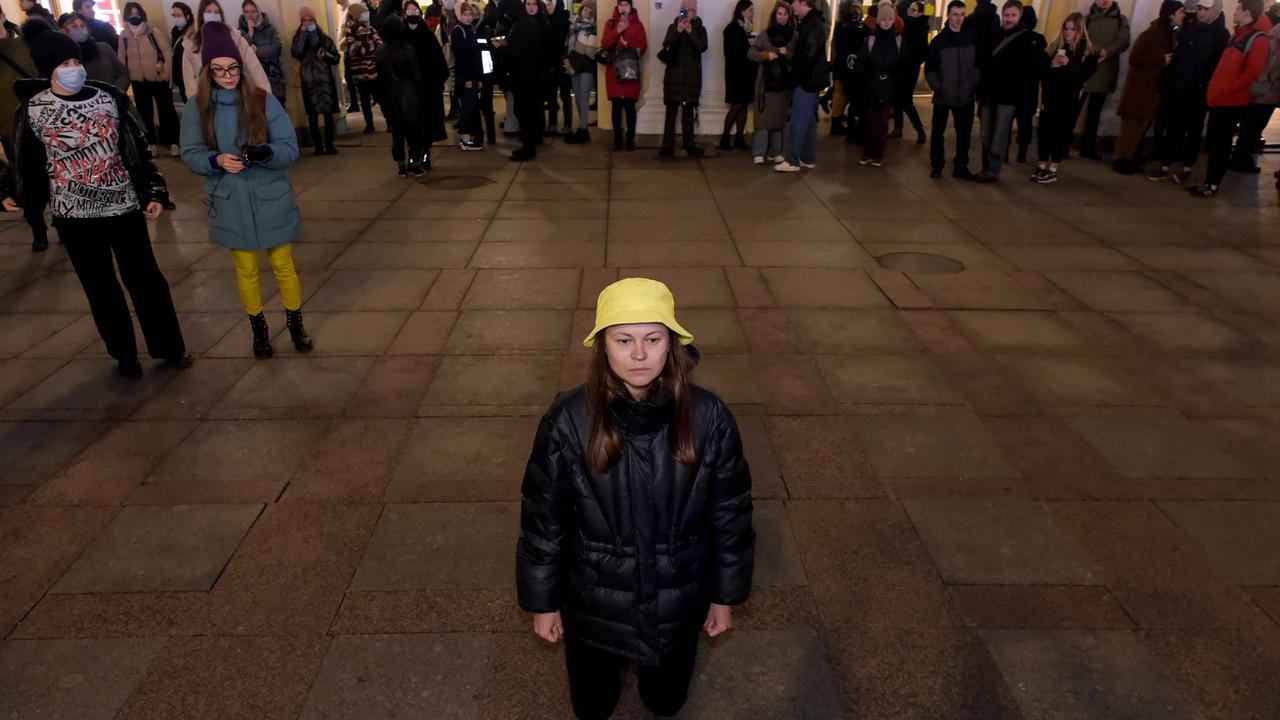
786 167
777 159
808 166
175 151
155 151
758 160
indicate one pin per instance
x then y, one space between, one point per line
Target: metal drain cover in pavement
459 182
920 262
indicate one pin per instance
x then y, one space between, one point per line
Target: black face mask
135 20
413 20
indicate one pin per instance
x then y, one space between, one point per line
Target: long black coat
400 83
435 73
739 71
633 557
316 54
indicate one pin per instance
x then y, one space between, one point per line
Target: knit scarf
642 417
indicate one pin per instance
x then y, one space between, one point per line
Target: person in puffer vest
636 520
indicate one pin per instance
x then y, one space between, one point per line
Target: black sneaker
962 174
131 369
401 171
935 173
1048 177
416 170
182 362
1204 190
667 152
1181 177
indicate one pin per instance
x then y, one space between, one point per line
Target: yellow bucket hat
632 301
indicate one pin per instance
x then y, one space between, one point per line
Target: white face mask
180 22
364 18
213 17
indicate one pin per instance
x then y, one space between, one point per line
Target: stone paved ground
1045 487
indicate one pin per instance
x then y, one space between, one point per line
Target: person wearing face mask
211 11
435 72
317 54
99 60
360 46
81 151
180 19
100 30
400 90
240 139
256 27
147 55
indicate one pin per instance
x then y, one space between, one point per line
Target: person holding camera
774 84
239 137
80 149
623 32
682 49
636 526
951 69
811 73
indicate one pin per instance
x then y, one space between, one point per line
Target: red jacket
636 39
1229 86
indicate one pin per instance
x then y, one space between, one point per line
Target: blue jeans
766 143
802 141
583 84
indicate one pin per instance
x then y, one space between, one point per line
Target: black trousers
1255 121
1056 124
1183 132
1092 104
1223 122
907 102
486 111
1024 118
155 98
406 134
364 91
561 88
91 243
313 121
33 215
964 130
595 680
624 107
528 101
685 111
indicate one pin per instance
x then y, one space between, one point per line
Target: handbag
667 55
626 66
605 56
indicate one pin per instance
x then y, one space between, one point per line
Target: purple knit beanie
216 42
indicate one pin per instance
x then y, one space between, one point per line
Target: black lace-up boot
301 341
261 336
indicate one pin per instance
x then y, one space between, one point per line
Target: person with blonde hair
882 62
1067 63
636 530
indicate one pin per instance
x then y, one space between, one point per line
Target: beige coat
139 54
192 68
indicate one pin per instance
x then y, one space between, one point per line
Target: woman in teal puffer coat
241 139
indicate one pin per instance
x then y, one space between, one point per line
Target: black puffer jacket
634 557
1186 79
1009 69
30 159
809 66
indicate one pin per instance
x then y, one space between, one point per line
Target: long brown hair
603 386
251 107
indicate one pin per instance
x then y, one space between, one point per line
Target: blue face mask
309 27
79 34
71 78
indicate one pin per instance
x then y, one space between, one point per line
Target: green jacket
682 81
1108 30
16 51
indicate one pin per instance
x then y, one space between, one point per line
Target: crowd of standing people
92 107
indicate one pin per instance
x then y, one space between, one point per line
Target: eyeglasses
228 71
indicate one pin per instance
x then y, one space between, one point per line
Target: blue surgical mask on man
71 78
79 34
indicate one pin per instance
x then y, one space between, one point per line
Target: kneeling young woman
239 136
636 521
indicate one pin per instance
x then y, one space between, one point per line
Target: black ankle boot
724 142
261 336
40 242
740 143
301 341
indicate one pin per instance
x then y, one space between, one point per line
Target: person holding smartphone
1067 63
239 137
683 45
317 54
623 32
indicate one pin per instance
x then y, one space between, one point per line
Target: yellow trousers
281 261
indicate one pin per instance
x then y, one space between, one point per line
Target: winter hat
305 13
1169 7
216 42
633 301
49 48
